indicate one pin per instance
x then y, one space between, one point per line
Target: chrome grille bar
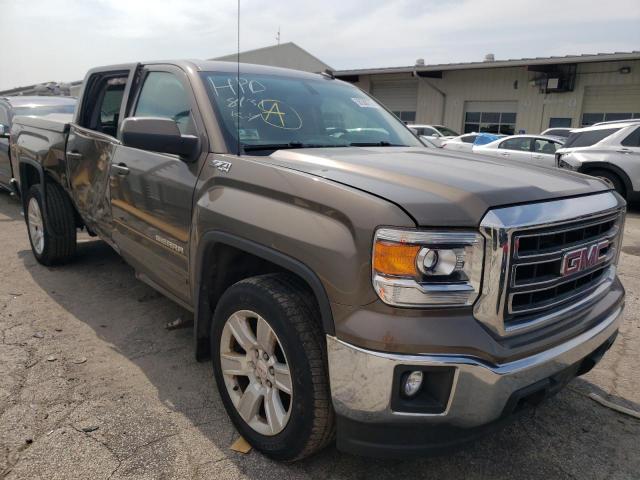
558 246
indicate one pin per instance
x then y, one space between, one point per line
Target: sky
59 40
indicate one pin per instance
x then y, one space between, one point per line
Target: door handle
74 155
537 156
505 154
120 169
625 150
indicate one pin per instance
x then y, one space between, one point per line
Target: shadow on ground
570 436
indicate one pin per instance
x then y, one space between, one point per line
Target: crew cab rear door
152 192
92 141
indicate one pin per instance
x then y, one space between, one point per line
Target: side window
545 146
163 95
633 139
469 138
101 111
520 144
430 132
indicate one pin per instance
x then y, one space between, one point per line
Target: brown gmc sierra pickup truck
346 281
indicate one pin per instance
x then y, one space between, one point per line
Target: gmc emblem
583 258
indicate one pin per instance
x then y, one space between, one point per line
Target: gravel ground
93 385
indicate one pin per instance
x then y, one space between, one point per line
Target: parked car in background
533 149
484 138
557 132
609 150
466 142
463 143
435 133
24 105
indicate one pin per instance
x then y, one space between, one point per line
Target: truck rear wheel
270 368
52 232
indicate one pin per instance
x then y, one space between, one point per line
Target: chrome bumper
361 379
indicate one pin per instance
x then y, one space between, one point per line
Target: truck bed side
38 145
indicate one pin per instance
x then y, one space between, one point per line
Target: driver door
152 192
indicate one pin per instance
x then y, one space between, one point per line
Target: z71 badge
222 165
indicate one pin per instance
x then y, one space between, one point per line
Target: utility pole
278 36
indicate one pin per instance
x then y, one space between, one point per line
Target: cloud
60 40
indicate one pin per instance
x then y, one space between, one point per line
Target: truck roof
220 66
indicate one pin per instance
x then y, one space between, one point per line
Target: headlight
562 162
421 268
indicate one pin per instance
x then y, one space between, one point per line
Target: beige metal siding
491 107
611 99
397 95
443 100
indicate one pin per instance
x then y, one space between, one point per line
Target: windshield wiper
382 143
290 145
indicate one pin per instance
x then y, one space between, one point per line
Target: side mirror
159 135
4 131
435 135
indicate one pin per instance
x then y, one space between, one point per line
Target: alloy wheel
256 372
36 225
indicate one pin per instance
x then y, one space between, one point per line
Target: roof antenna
238 81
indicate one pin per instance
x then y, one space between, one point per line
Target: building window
406 116
591 118
559 122
490 122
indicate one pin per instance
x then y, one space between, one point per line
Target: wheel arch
31 173
588 167
208 288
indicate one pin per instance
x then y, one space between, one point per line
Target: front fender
317 228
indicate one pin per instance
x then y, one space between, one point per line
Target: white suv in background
609 150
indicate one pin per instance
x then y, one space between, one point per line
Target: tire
291 314
611 178
52 233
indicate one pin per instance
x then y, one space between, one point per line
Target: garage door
492 117
399 97
604 103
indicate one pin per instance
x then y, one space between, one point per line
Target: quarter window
490 122
163 95
633 139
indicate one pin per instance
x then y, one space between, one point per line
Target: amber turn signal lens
395 258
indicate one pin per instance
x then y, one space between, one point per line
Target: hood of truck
437 187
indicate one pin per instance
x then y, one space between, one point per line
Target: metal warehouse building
509 96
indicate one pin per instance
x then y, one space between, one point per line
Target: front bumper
481 393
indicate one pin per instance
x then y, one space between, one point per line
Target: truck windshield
263 113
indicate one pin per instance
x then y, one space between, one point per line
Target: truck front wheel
270 368
52 231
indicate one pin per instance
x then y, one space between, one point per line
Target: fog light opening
412 383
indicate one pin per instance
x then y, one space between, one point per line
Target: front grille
553 267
